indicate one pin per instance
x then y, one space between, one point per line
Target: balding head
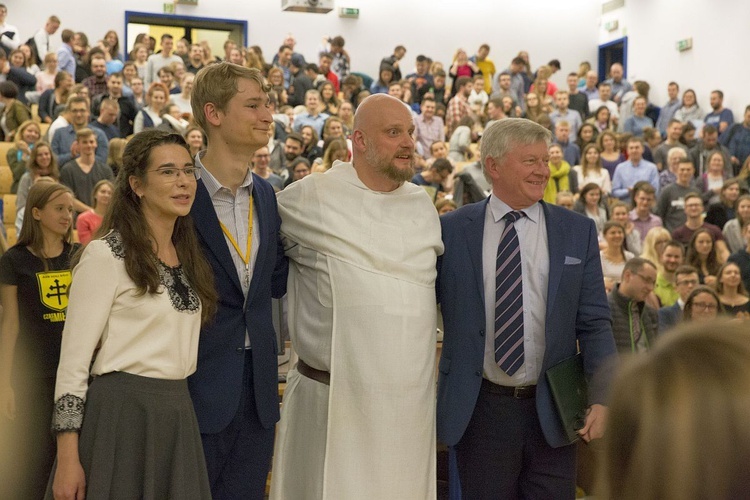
382 142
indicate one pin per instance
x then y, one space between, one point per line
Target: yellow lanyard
245 259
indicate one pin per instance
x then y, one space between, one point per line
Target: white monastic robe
362 307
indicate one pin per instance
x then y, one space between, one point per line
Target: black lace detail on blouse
181 294
68 415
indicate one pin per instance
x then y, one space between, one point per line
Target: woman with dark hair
615 256
113 42
701 305
590 204
144 319
610 154
702 255
587 134
329 101
722 211
14 112
537 110
687 137
34 279
733 297
602 119
385 77
310 148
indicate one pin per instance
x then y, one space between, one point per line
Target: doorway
194 29
612 52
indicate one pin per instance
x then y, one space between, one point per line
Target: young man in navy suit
235 388
520 285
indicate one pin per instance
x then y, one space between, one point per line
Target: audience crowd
667 184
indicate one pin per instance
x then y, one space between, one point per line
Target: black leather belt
313 373
522 392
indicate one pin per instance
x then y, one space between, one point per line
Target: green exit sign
349 12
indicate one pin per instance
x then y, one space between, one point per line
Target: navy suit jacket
577 309
669 317
216 386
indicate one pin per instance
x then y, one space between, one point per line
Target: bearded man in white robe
358 415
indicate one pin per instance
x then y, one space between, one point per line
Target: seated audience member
196 140
114 158
13 113
88 222
601 120
260 162
713 178
127 107
150 116
183 99
570 150
385 77
633 170
587 134
605 92
669 108
478 98
701 254
610 153
444 206
709 145
139 96
732 294
560 174
652 140
694 221
689 111
565 199
688 135
618 212
172 119
294 146
742 257
654 244
300 168
537 111
27 136
458 106
578 100
310 150
591 205
336 149
702 305
438 177
686 279
614 256
82 174
671 204
428 128
462 67
723 210
719 117
635 324
64 143
311 116
329 101
671 259
563 113
660 407
674 131
108 111
643 197
41 163
52 102
737 140
97 82
461 139
638 121
732 230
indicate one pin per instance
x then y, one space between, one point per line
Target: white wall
716 61
566 30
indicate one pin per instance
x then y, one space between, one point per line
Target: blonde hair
677 427
217 84
649 245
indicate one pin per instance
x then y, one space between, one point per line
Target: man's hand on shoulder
596 422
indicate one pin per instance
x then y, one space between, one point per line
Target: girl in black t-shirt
34 280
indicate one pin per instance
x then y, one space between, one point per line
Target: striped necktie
509 299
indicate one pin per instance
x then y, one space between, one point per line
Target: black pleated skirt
140 439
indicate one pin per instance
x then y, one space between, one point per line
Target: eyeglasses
705 306
688 282
169 174
647 279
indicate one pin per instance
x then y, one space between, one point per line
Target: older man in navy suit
235 388
520 286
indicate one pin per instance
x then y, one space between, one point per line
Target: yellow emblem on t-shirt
53 289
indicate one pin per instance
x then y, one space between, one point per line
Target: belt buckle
520 392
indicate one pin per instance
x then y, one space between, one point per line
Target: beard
290 156
386 166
